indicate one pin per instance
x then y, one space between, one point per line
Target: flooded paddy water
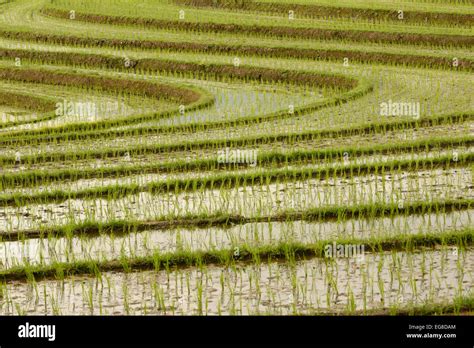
316 286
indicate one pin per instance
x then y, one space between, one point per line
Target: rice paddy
251 157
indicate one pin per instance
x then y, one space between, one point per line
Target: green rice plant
132 211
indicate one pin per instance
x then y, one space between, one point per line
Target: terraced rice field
236 157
